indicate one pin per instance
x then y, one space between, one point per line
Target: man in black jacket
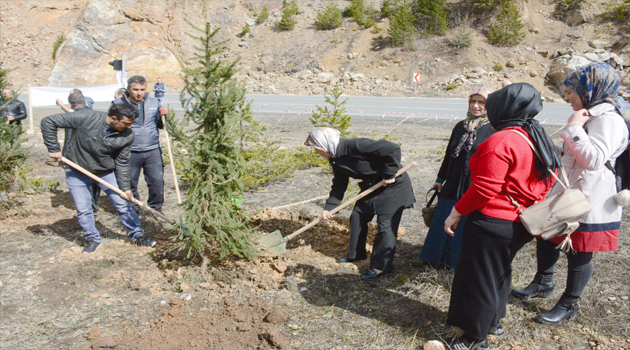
15 111
100 143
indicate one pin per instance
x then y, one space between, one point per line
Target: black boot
567 307
542 285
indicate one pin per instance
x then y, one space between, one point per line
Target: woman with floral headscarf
371 162
595 135
453 180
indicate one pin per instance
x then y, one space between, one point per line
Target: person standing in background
159 89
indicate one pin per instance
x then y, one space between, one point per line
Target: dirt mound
329 237
227 325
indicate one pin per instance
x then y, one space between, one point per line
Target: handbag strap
430 201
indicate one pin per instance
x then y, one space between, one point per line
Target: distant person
453 180
89 102
101 144
159 89
15 111
119 93
596 134
146 154
77 102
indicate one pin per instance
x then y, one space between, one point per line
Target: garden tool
182 227
276 244
170 158
302 202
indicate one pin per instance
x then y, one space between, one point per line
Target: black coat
370 161
15 109
455 171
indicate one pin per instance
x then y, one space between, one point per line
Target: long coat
370 161
455 171
585 151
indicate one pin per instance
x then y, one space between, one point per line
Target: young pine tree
506 29
329 17
337 117
290 9
401 29
210 130
431 16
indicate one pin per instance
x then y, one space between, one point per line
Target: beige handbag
555 215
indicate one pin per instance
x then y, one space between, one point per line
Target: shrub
329 17
388 7
290 9
363 13
337 117
431 16
619 10
60 39
451 86
564 5
401 30
461 39
263 15
497 66
246 29
215 110
506 29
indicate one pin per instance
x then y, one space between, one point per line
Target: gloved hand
163 111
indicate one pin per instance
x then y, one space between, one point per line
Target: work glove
163 111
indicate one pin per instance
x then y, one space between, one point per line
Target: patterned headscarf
472 123
325 139
598 83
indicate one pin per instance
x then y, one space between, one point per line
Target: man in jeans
159 89
146 154
101 144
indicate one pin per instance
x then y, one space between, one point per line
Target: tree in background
329 17
214 114
337 118
619 10
362 12
290 9
389 6
262 16
507 25
401 29
431 16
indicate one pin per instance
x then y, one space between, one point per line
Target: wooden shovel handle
170 157
302 202
117 190
351 201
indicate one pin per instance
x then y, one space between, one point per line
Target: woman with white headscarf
371 162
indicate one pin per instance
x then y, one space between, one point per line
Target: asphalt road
412 108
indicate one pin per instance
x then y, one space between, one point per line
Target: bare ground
127 297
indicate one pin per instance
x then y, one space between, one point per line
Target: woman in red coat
493 233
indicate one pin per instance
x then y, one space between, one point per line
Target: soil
129 297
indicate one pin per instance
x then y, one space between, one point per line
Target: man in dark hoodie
101 144
146 154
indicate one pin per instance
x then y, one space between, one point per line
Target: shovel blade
273 242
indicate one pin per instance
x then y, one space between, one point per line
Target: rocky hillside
151 35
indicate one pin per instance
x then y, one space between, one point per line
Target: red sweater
505 162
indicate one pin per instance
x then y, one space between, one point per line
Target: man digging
101 143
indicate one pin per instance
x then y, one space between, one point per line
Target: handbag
429 210
555 215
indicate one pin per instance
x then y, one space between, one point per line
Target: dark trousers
483 276
95 192
150 162
580 266
384 243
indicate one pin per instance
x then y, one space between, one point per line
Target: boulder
575 17
325 77
598 44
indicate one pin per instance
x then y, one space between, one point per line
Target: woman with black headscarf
493 234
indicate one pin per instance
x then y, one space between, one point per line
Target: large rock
564 65
575 17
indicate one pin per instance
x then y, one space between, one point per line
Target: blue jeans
79 184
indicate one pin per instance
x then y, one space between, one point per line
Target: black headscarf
517 105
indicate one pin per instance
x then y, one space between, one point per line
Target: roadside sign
416 77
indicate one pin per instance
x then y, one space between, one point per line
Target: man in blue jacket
146 154
159 89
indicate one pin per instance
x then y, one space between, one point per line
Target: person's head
477 101
121 115
591 85
76 98
119 93
513 105
159 80
325 141
137 88
7 93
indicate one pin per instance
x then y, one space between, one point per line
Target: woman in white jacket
596 133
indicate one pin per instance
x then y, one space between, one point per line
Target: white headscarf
325 139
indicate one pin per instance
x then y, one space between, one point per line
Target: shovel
121 193
170 157
276 244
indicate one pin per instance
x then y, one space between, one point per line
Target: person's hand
580 116
437 186
56 156
326 215
59 102
163 111
450 224
387 182
10 118
127 195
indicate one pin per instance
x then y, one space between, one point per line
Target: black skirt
483 276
